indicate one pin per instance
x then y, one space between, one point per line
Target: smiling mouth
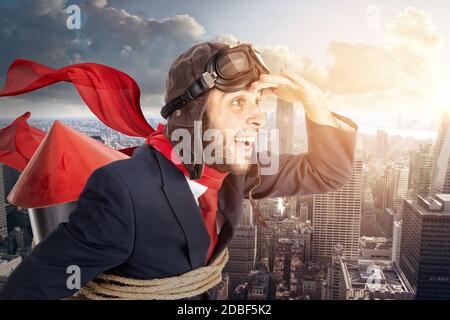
245 142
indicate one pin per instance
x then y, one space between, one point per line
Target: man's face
238 118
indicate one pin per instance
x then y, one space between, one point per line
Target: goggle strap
200 86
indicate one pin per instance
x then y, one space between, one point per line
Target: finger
258 85
265 92
295 77
275 78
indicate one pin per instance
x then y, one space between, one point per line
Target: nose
257 119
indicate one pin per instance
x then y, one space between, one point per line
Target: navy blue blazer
138 218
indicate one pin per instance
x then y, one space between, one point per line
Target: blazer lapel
182 202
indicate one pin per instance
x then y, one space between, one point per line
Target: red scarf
114 97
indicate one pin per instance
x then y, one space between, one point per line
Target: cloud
404 63
99 3
141 47
399 74
407 61
415 25
225 38
280 56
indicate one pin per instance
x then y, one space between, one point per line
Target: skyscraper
443 128
276 225
396 241
242 250
421 170
282 263
337 217
441 171
395 186
247 214
285 125
302 211
334 273
425 246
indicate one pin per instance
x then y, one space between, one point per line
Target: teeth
245 139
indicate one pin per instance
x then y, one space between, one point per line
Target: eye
238 103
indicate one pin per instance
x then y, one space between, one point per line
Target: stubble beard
225 166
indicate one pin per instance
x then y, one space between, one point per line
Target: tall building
337 217
421 170
302 211
287 206
386 222
303 235
282 264
285 125
368 220
276 227
425 246
247 214
242 250
269 207
3 224
396 241
443 128
368 213
297 267
395 186
334 273
441 170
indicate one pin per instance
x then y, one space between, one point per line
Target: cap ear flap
186 117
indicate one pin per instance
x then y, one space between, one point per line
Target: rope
189 284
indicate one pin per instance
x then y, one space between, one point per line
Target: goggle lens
233 64
261 61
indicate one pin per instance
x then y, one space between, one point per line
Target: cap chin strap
202 84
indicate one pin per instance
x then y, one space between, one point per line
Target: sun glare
442 96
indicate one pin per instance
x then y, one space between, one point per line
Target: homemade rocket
51 183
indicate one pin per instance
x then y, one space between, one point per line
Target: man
150 217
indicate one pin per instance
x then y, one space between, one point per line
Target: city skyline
287 239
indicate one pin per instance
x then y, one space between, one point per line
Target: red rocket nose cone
59 168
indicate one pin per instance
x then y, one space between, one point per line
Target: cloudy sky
375 60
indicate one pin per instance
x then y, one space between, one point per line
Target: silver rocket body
45 220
